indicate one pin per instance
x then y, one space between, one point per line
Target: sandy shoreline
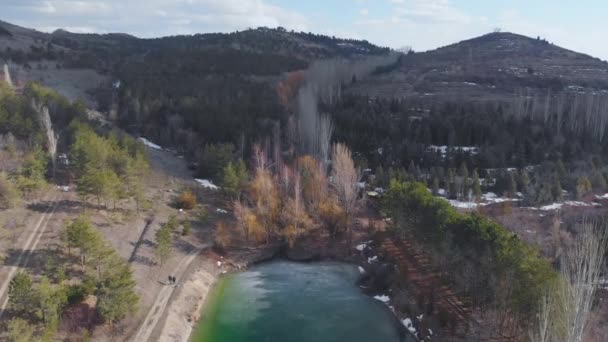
184 310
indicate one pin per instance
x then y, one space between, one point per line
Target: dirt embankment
184 311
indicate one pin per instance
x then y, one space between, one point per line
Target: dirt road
160 304
34 234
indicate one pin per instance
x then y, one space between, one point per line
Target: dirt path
162 299
30 245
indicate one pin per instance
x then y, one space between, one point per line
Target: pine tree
512 184
435 186
20 293
476 186
451 182
557 189
380 177
463 172
163 243
19 330
411 170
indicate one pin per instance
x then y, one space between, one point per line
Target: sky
421 24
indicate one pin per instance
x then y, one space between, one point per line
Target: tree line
498 271
38 303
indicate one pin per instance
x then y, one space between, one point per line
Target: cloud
435 10
364 11
150 18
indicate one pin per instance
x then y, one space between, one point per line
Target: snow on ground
205 183
361 270
363 245
372 259
149 143
409 325
557 206
444 149
552 206
221 211
383 298
463 205
604 196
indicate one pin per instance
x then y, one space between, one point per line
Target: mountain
489 67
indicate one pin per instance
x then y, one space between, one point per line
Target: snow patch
150 144
205 183
409 325
361 270
221 211
557 206
372 259
383 298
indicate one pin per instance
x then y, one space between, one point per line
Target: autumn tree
223 235
186 200
345 179
265 196
296 219
314 182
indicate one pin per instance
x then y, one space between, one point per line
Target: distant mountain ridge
488 67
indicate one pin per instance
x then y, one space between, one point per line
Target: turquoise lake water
294 302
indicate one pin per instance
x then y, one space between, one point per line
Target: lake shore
184 310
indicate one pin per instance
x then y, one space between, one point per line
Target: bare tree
345 179
7 76
564 308
541 330
581 267
45 120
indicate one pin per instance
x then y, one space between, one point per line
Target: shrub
186 228
9 195
223 235
186 200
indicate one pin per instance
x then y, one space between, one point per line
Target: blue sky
422 24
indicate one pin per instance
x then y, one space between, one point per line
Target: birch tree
581 267
345 178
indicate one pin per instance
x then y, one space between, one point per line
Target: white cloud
436 10
364 11
149 18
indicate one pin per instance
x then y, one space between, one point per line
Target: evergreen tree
116 294
451 184
463 172
235 178
19 330
163 243
435 186
476 186
411 170
20 293
380 177
512 184
557 189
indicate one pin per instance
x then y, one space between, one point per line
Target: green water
294 302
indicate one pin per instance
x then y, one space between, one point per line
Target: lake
283 301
